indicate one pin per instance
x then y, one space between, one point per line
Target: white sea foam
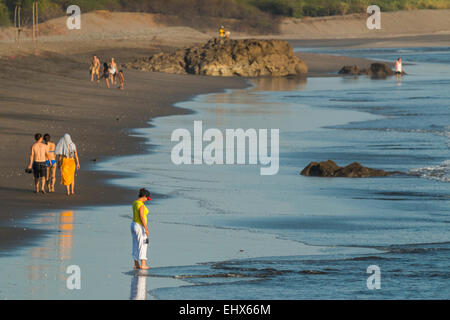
440 172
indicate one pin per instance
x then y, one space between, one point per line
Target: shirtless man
39 153
95 68
51 163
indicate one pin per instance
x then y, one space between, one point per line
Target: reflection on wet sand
263 84
138 287
65 239
62 246
279 83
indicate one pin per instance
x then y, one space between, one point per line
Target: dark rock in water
376 70
380 70
355 170
227 57
351 70
320 169
330 169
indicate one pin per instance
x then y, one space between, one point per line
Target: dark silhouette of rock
320 169
227 57
356 170
376 71
380 70
351 70
330 169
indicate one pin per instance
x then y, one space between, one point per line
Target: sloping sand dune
393 24
105 25
101 25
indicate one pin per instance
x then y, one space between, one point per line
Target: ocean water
227 232
389 124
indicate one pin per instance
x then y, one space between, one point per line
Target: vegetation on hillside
240 15
315 8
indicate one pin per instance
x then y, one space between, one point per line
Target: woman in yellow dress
67 155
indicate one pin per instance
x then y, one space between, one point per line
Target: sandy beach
52 94
47 89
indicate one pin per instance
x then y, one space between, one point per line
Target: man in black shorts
39 154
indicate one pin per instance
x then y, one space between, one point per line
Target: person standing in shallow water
67 154
139 230
398 68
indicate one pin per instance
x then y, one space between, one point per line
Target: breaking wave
439 172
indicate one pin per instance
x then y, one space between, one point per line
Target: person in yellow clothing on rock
139 230
222 31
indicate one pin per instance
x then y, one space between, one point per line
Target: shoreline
17 196
191 234
234 243
98 135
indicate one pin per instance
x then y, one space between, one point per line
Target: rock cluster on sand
376 70
331 169
227 57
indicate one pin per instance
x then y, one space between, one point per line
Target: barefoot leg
53 177
49 179
36 185
144 265
43 185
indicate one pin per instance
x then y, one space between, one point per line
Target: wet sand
50 93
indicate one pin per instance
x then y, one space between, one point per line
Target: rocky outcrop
330 169
227 57
376 71
350 70
379 70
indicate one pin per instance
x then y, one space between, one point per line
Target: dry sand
45 88
393 24
145 29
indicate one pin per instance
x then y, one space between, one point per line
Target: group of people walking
46 157
109 72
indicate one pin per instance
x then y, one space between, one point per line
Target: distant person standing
51 163
67 155
95 68
105 73
139 230
113 71
398 68
39 154
121 79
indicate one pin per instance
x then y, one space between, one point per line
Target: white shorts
139 237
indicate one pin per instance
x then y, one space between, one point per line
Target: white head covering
65 146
